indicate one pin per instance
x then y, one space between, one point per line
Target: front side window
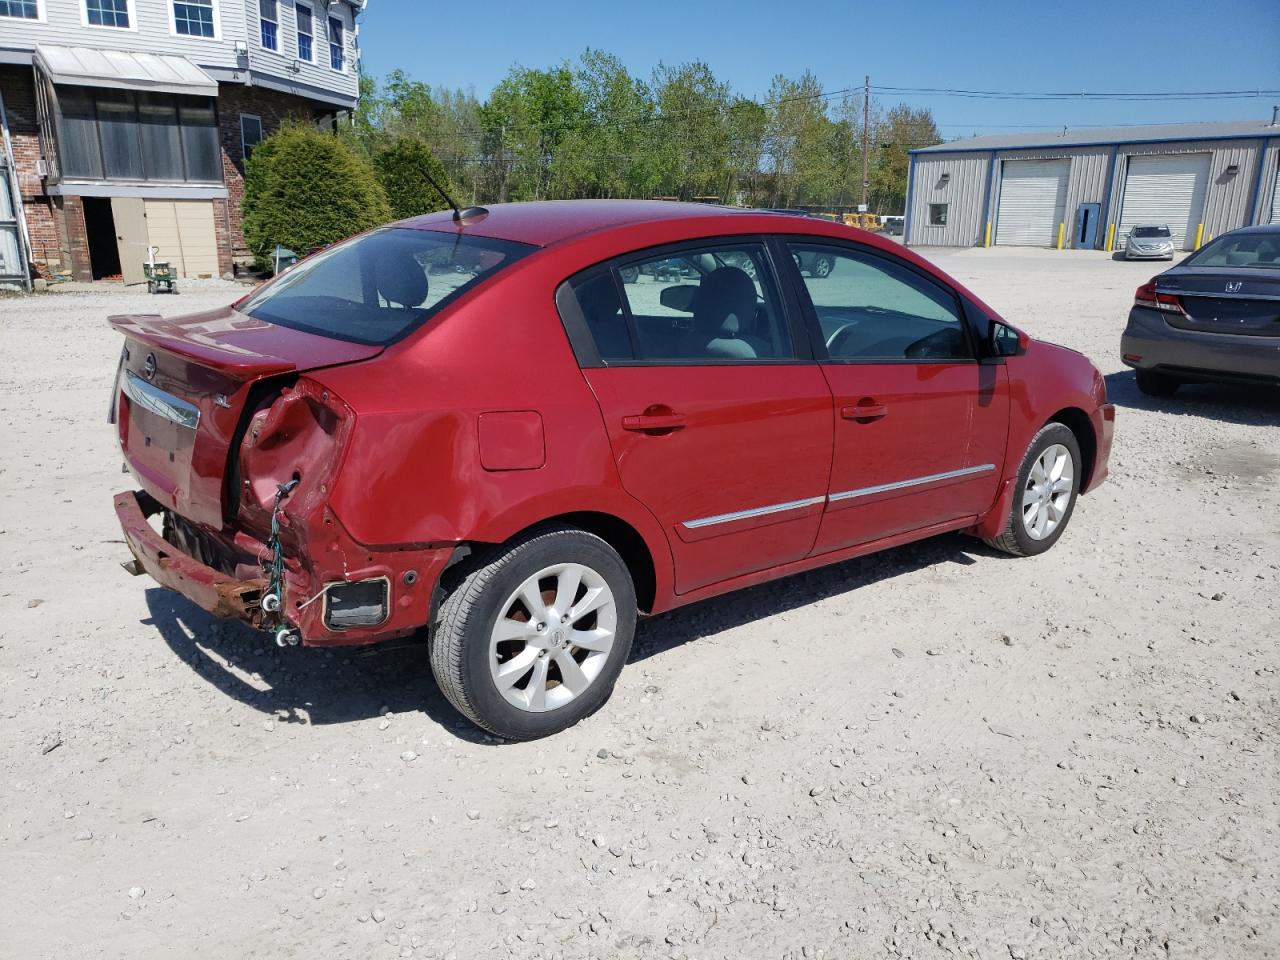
938 214
705 305
107 13
873 309
337 53
269 24
21 9
303 15
379 286
194 18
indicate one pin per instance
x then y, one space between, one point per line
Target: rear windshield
1151 231
1258 251
377 287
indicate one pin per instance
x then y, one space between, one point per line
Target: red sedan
518 427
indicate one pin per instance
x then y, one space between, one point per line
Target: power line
1153 97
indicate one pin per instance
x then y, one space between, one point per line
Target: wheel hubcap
1048 492
553 637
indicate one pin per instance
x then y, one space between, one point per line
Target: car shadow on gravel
346 684
1228 402
303 684
710 617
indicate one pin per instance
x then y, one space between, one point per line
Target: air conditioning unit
42 167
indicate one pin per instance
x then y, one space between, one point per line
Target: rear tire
822 267
1156 384
510 659
1045 495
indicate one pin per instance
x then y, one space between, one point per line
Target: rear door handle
864 411
655 422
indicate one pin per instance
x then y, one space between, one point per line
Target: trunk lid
1242 302
184 390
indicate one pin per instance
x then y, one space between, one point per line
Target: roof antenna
459 215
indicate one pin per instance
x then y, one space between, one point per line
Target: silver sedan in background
1149 241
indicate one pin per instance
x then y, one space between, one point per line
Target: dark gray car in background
1215 317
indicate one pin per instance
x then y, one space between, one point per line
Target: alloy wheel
552 637
1048 491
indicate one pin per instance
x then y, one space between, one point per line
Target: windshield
377 287
1259 251
1151 231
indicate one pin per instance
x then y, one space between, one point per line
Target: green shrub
304 189
400 169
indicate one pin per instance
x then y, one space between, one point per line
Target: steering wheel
838 332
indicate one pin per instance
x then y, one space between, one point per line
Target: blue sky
1033 45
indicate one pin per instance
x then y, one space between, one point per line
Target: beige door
131 236
182 230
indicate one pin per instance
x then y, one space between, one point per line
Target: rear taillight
1148 296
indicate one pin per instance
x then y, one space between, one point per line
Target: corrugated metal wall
1226 204
964 192
1268 186
1227 201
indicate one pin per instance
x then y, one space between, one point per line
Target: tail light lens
1148 296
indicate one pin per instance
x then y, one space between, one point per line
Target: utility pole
866 137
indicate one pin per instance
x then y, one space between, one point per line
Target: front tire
534 636
822 267
1045 497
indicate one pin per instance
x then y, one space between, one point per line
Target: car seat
723 309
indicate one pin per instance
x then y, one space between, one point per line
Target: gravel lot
937 750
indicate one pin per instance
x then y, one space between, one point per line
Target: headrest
725 302
400 278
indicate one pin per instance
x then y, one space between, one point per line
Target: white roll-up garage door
1275 199
1165 190
1033 200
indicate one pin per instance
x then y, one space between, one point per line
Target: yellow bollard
1111 236
1199 235
987 239
1062 232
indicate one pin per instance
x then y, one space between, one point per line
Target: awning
89 67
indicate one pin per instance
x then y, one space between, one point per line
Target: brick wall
273 109
18 85
74 239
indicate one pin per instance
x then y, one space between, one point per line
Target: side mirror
1004 341
680 297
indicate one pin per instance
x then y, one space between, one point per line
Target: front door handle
655 423
865 410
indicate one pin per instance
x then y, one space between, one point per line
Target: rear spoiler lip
155 331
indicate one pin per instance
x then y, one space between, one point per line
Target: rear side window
377 287
871 308
710 304
1259 251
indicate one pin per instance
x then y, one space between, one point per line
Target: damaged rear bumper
207 588
411 575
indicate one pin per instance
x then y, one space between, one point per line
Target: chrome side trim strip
1219 296
162 404
914 482
747 514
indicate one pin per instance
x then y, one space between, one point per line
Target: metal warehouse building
1087 188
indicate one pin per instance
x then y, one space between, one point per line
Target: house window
194 18
269 22
250 133
337 55
304 32
938 214
107 13
22 9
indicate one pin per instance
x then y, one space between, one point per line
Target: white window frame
130 8
297 33
276 21
328 43
173 22
41 17
244 147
